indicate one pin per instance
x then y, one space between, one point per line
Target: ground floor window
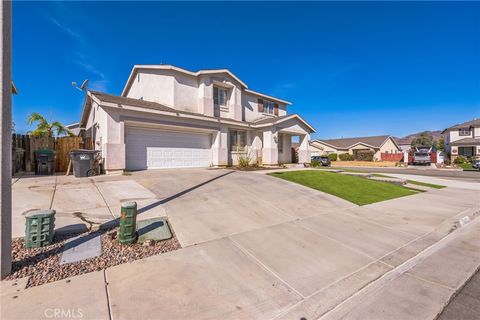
238 140
280 142
465 151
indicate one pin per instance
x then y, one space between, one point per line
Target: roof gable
345 143
472 123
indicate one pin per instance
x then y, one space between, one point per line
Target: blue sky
350 69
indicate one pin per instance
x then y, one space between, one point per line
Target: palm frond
36 117
39 132
59 128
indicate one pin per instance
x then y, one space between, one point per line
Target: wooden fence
395 157
25 145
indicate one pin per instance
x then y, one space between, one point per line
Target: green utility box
128 220
39 228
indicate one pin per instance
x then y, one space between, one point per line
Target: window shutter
260 105
275 109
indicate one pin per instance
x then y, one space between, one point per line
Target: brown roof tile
375 141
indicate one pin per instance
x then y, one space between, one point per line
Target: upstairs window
220 96
268 107
464 131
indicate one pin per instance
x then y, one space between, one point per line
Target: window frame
235 140
271 107
216 97
464 132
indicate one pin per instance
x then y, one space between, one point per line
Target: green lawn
430 185
465 166
358 190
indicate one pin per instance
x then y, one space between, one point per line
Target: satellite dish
82 87
84 84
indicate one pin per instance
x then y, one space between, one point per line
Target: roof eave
268 97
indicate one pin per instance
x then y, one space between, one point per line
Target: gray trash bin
84 164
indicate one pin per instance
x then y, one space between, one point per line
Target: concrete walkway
448 182
316 261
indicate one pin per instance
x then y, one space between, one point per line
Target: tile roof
345 143
108 98
466 142
270 119
471 123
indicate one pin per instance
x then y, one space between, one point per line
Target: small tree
45 128
424 139
441 144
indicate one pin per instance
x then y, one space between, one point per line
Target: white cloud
98 85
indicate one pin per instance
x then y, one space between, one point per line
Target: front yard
358 190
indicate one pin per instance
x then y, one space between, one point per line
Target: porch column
270 147
220 147
303 150
454 153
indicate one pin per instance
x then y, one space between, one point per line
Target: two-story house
169 117
463 139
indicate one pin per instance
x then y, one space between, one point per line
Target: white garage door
156 149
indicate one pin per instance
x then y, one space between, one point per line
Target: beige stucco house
463 139
376 144
169 117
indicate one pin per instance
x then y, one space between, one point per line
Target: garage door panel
153 149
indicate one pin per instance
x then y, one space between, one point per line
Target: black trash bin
84 162
44 162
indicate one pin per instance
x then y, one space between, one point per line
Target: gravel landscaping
42 265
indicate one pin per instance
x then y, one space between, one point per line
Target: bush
346 157
365 155
460 160
332 157
243 161
315 163
447 162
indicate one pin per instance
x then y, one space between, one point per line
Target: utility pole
6 138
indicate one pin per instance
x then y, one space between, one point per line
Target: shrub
346 157
460 160
315 163
332 157
365 155
244 161
447 162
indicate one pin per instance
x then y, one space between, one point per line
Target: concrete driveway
201 204
266 248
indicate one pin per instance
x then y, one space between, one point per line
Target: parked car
476 164
324 160
421 158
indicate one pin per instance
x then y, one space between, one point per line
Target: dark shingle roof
375 141
472 123
270 120
466 142
105 97
108 98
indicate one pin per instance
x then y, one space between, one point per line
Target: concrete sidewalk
448 182
421 287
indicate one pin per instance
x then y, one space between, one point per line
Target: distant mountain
408 139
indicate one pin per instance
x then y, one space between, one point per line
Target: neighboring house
405 144
463 139
75 128
168 117
377 144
